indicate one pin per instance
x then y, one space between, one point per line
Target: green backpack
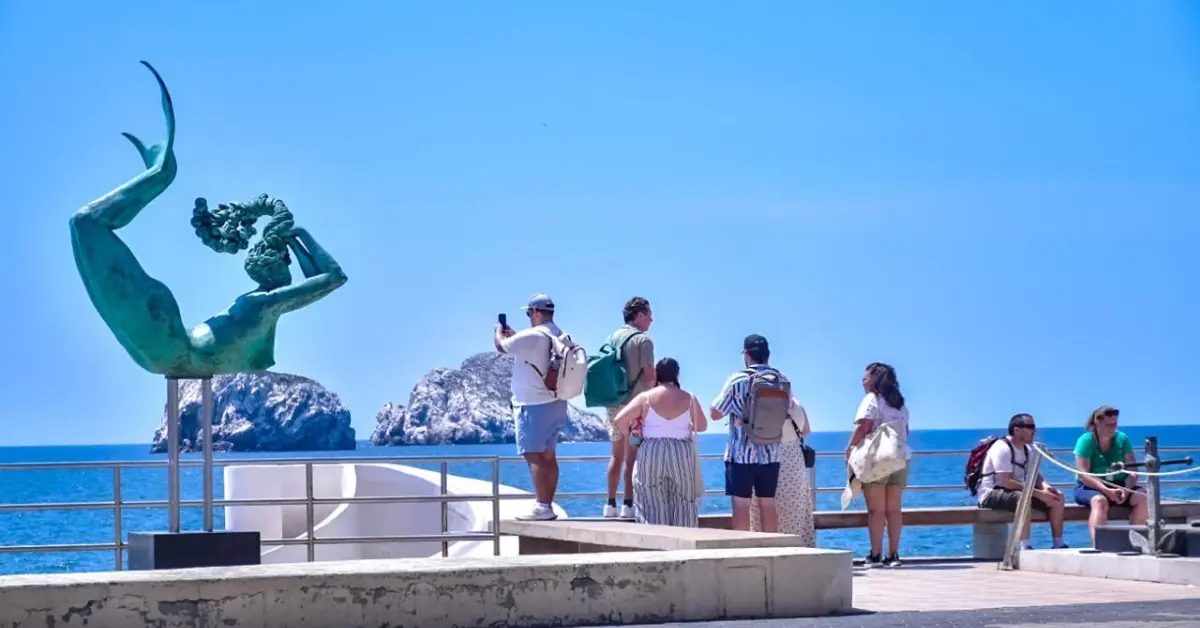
608 383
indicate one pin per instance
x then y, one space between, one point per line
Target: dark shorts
1084 495
749 480
1005 499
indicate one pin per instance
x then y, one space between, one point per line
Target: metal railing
118 505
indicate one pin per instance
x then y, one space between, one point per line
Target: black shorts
749 480
1005 499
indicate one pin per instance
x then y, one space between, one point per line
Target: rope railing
1118 468
1156 536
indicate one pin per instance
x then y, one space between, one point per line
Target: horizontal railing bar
414 499
416 538
82 547
37 507
155 464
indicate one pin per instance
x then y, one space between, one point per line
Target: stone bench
989 528
589 589
570 536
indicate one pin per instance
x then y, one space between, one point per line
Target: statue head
228 229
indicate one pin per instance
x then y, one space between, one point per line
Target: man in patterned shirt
751 470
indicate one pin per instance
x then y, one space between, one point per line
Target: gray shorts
538 426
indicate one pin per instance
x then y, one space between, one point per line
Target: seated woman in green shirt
1101 445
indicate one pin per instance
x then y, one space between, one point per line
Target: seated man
1003 478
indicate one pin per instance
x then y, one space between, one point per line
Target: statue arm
322 261
303 257
328 277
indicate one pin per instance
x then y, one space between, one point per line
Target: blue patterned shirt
731 402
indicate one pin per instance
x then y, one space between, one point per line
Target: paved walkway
949 586
969 595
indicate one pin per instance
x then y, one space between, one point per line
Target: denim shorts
538 426
1084 494
750 480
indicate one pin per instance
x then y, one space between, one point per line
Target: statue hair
229 227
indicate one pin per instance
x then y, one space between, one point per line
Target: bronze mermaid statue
141 311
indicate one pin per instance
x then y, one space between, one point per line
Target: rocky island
468 405
265 411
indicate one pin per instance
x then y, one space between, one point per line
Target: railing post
495 506
812 483
172 454
1154 521
445 511
206 420
308 514
1024 503
119 553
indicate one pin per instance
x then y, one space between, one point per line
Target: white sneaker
626 512
610 512
540 512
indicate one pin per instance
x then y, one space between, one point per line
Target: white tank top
657 426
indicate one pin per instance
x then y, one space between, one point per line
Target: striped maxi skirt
664 483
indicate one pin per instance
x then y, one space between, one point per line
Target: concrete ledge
577 590
1070 562
570 536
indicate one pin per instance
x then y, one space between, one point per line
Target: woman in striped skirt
667 485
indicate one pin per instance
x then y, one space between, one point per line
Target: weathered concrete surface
1070 562
1169 614
623 534
592 589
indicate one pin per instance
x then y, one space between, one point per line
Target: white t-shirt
530 347
1001 458
876 409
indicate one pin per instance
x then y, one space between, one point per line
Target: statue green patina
141 311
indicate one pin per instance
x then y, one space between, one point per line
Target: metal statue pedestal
175 549
1176 540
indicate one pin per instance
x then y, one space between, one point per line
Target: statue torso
240 339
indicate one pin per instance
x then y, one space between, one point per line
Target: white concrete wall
557 590
364 520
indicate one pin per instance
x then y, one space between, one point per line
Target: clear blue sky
1000 199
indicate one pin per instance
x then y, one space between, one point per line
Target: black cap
754 342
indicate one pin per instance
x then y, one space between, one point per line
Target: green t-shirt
1102 461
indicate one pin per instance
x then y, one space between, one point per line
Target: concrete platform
570 536
1071 562
579 590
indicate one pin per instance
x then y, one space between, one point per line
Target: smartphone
503 319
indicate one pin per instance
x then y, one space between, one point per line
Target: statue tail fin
150 154
157 153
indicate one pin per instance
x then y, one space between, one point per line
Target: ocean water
42 527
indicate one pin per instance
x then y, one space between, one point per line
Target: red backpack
974 471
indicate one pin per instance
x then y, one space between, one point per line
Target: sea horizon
1137 432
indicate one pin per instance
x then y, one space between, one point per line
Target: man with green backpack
622 369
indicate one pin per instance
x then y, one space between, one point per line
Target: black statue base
1115 538
179 550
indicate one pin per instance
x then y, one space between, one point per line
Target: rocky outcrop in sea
265 411
468 405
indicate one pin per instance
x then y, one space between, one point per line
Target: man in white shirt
1003 478
538 411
